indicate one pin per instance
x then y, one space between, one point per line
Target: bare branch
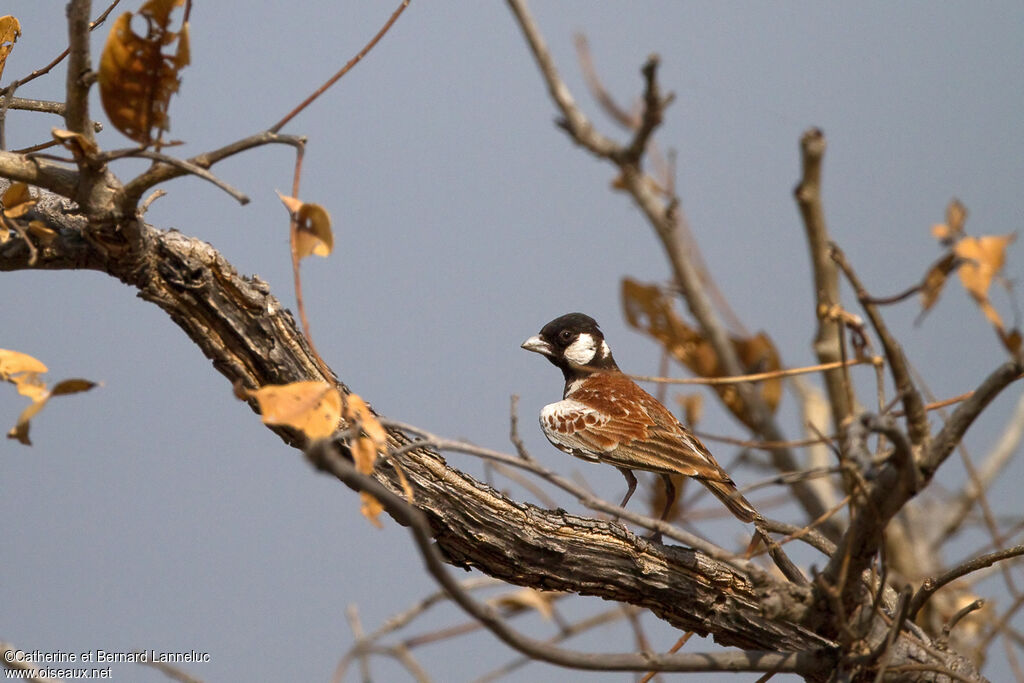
995 462
344 70
930 586
163 171
913 404
827 341
76 116
964 415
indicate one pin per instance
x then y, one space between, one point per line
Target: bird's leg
630 482
670 497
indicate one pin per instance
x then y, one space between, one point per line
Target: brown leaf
1011 340
136 76
953 229
312 227
10 29
76 143
71 386
934 279
984 258
648 309
17 200
314 408
20 429
956 216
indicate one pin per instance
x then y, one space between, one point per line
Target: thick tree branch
809 664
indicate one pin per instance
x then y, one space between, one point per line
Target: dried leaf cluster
25 373
978 261
649 309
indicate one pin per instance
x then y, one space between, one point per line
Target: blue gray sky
156 512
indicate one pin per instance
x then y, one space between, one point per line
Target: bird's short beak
538 345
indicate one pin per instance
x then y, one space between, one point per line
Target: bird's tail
725 490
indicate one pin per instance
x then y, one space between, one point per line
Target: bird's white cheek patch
581 351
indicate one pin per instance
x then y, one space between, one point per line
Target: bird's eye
565 336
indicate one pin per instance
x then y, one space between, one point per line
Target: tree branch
809 664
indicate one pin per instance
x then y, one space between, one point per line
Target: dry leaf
527 598
24 372
313 408
648 309
934 280
71 386
312 227
13 362
136 76
953 228
984 258
371 508
356 410
76 143
17 200
10 29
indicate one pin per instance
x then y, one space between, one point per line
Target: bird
604 416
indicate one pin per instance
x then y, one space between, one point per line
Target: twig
917 419
930 586
956 426
344 70
186 166
162 172
759 376
59 58
325 458
990 469
611 107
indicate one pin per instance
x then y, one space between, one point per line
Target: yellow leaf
41 232
136 77
314 231
364 453
30 385
527 598
311 407
76 143
356 410
10 29
984 258
312 227
17 200
371 508
14 361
